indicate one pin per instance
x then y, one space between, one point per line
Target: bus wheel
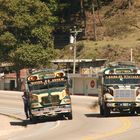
34 119
132 112
106 111
101 110
69 116
138 110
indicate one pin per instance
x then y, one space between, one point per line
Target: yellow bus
48 92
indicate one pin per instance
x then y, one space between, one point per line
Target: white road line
57 125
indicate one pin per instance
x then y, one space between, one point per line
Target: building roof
77 60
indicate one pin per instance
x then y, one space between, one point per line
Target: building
82 65
85 81
8 76
84 84
85 71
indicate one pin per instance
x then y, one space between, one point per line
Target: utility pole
129 3
94 20
73 41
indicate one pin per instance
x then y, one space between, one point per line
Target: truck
119 89
48 94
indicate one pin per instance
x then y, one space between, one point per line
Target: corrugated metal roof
77 60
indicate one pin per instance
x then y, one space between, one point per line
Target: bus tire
34 119
106 111
101 110
69 115
132 112
138 110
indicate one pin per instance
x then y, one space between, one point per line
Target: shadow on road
97 115
25 123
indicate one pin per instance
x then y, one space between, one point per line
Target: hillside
119 33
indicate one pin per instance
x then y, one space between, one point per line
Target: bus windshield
48 84
122 79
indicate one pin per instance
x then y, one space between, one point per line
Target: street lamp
73 41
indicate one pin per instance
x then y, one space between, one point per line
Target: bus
48 93
119 89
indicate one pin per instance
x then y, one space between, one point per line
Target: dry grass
121 33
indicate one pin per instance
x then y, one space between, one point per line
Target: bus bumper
51 111
122 104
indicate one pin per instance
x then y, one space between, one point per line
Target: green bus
48 92
119 90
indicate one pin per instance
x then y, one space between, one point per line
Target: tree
30 56
26 30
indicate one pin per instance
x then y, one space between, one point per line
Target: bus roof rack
121 64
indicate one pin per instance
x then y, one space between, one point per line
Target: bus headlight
65 97
109 99
34 98
64 93
66 100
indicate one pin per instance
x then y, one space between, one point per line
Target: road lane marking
12 116
57 124
37 133
125 125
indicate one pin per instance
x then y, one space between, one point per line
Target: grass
122 32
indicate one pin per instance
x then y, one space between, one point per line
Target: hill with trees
111 31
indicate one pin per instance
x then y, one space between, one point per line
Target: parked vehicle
48 94
119 89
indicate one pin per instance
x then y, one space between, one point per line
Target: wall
83 84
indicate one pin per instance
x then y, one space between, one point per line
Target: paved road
86 125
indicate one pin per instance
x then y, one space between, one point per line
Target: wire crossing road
86 124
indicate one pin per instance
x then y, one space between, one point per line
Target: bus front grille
51 100
121 94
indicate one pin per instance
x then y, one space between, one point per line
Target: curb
12 116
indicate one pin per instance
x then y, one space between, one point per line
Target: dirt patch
94 106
